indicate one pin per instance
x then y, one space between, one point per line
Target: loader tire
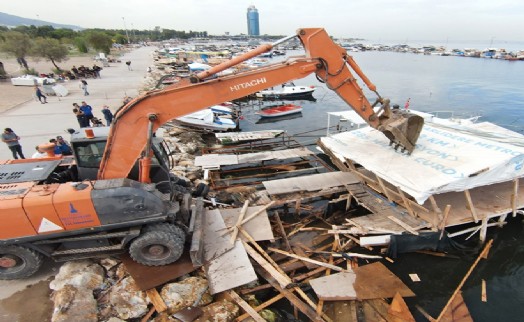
171 229
18 262
156 248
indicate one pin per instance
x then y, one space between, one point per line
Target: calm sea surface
466 86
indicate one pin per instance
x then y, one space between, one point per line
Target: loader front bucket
403 129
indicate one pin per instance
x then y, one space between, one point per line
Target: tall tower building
252 21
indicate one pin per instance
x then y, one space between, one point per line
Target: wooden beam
295 301
156 299
484 296
471 206
282 230
282 280
435 207
333 267
443 222
484 229
262 306
459 287
239 221
403 225
406 203
244 305
384 189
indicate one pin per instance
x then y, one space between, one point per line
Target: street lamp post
127 35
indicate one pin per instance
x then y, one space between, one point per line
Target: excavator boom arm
132 123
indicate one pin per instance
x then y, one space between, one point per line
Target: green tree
16 44
120 39
81 44
50 49
100 41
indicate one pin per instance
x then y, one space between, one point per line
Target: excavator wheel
156 248
18 262
171 229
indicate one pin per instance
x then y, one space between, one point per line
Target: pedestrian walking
108 116
128 63
10 138
83 86
40 95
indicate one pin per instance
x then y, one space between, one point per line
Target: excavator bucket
403 129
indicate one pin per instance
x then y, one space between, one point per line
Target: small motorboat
279 110
287 92
215 119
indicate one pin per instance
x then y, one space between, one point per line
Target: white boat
287 92
216 119
31 80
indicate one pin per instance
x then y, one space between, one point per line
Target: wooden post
239 221
407 205
485 250
484 229
384 189
243 304
443 222
156 299
515 196
471 206
281 227
403 225
435 207
297 207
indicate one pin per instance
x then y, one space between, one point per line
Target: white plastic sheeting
446 158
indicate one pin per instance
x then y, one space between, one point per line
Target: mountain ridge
14 21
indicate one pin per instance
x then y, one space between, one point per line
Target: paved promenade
36 123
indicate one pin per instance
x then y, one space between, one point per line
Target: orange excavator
116 195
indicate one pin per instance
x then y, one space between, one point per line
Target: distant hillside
14 21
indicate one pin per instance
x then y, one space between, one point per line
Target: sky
378 20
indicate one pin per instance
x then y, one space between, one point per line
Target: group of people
85 117
59 145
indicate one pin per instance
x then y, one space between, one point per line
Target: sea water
465 86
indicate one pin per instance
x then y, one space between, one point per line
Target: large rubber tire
173 230
156 248
25 262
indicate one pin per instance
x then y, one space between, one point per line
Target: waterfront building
252 21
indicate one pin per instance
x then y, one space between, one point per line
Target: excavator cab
88 152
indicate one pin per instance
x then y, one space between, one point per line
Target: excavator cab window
89 154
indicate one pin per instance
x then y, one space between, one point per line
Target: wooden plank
457 312
262 306
403 225
196 251
459 287
333 267
335 287
156 299
398 311
282 280
300 252
384 189
375 310
435 207
215 242
295 301
471 206
230 270
239 221
374 240
442 225
258 227
312 182
247 308
515 196
376 281
406 202
282 230
484 296
342 311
